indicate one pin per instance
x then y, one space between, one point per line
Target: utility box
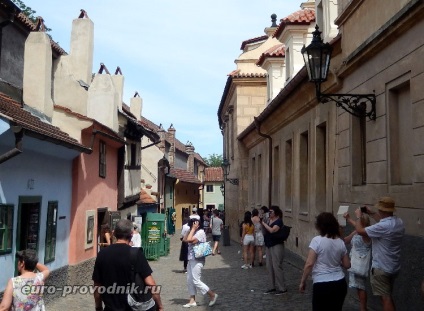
153 241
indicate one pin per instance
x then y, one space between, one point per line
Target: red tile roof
301 17
214 174
253 40
274 52
30 123
145 198
237 74
184 176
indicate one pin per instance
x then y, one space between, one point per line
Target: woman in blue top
326 259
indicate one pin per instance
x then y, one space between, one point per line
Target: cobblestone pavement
238 289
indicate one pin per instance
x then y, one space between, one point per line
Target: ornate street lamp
317 56
226 169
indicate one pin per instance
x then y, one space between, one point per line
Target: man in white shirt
194 213
386 236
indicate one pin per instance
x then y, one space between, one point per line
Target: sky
175 53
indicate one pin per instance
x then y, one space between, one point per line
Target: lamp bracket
233 181
355 104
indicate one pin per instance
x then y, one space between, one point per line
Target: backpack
141 298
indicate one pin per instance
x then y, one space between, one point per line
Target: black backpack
142 295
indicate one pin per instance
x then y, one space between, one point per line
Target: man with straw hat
386 236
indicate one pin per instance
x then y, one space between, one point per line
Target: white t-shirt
329 252
185 229
136 239
201 237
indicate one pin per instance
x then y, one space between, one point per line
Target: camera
363 209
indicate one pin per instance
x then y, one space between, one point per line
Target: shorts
216 238
382 282
248 239
356 281
259 239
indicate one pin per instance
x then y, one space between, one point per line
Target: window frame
102 159
7 228
210 186
51 231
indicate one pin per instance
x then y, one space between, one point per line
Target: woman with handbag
360 256
195 265
275 251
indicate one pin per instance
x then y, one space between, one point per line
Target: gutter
15 151
258 128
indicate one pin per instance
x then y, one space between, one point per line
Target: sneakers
270 291
246 266
280 292
189 305
213 301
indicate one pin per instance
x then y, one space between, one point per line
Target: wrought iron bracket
355 104
233 181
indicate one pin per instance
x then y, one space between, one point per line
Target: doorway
28 229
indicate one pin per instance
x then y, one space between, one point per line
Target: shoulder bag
202 249
359 264
141 299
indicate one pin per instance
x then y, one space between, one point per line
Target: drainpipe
18 146
258 128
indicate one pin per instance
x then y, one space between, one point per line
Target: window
359 152
303 173
51 229
102 159
209 188
401 132
288 174
276 175
321 167
6 228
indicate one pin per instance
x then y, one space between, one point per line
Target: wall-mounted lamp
226 169
317 56
222 188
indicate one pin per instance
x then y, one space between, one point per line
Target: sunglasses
271 211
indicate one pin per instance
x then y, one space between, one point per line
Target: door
28 230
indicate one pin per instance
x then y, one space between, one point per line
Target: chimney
37 81
171 138
73 72
102 101
136 106
118 81
308 5
162 136
189 149
269 31
82 47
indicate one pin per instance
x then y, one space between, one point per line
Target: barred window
6 228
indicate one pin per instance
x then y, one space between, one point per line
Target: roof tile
214 174
274 52
301 17
184 176
29 122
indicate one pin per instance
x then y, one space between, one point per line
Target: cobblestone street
237 289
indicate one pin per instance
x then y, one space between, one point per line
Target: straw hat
386 204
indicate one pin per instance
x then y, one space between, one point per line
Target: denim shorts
216 238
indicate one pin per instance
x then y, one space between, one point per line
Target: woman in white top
326 259
15 297
195 266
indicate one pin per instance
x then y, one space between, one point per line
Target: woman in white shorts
248 240
259 237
